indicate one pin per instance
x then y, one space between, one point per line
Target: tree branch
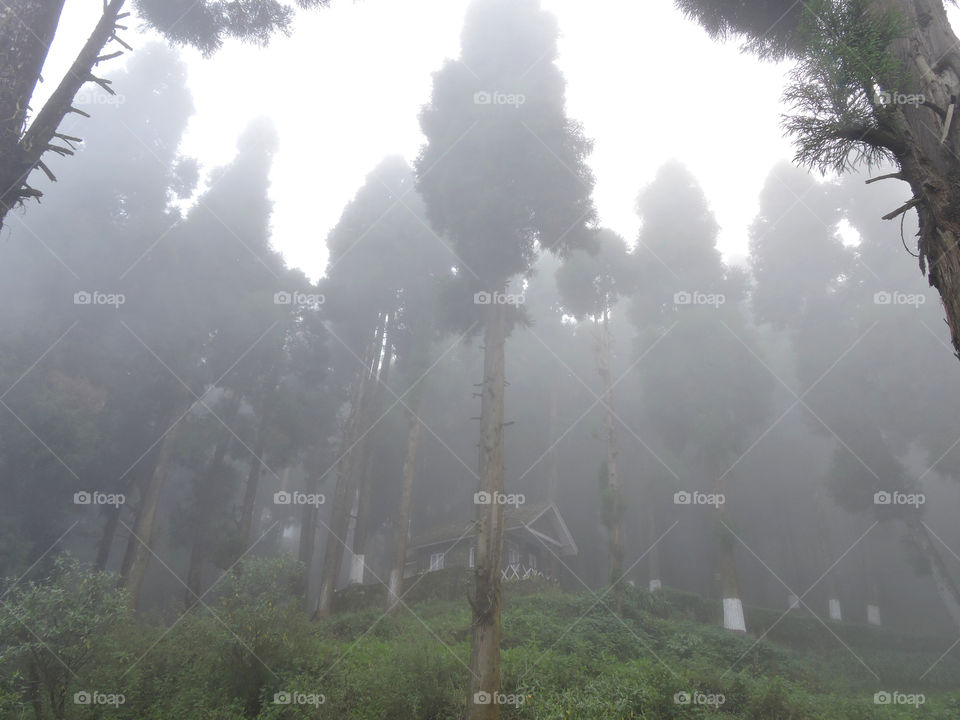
895 175
913 202
875 137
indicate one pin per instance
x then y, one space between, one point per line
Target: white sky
346 88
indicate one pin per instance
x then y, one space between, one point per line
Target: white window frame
532 561
473 556
513 556
436 561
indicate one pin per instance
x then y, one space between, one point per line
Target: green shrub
63 635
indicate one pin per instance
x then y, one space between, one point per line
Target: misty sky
647 85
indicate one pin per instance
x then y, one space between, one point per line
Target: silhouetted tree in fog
503 176
702 384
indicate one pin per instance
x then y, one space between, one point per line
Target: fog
498 407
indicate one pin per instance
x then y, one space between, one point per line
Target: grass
564 656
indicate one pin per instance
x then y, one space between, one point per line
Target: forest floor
250 651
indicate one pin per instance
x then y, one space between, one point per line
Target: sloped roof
514 518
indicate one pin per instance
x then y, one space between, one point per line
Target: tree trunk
142 535
358 546
834 609
404 511
361 529
27 28
614 493
871 581
21 152
308 525
253 480
733 618
654 581
346 477
873 600
139 480
106 539
486 602
553 469
930 60
946 588
790 561
203 517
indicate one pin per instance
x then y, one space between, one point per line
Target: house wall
459 556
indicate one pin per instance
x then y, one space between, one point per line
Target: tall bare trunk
361 529
405 509
946 588
106 539
205 499
146 516
614 494
871 580
308 525
253 479
203 517
343 493
790 561
834 609
553 469
486 601
361 525
873 597
654 581
733 618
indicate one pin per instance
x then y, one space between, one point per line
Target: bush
63 635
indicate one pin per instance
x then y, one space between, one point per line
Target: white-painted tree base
356 569
835 613
873 614
793 602
733 615
655 585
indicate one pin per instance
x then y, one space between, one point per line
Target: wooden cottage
534 535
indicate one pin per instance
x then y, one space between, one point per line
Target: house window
473 550
513 556
436 561
532 561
